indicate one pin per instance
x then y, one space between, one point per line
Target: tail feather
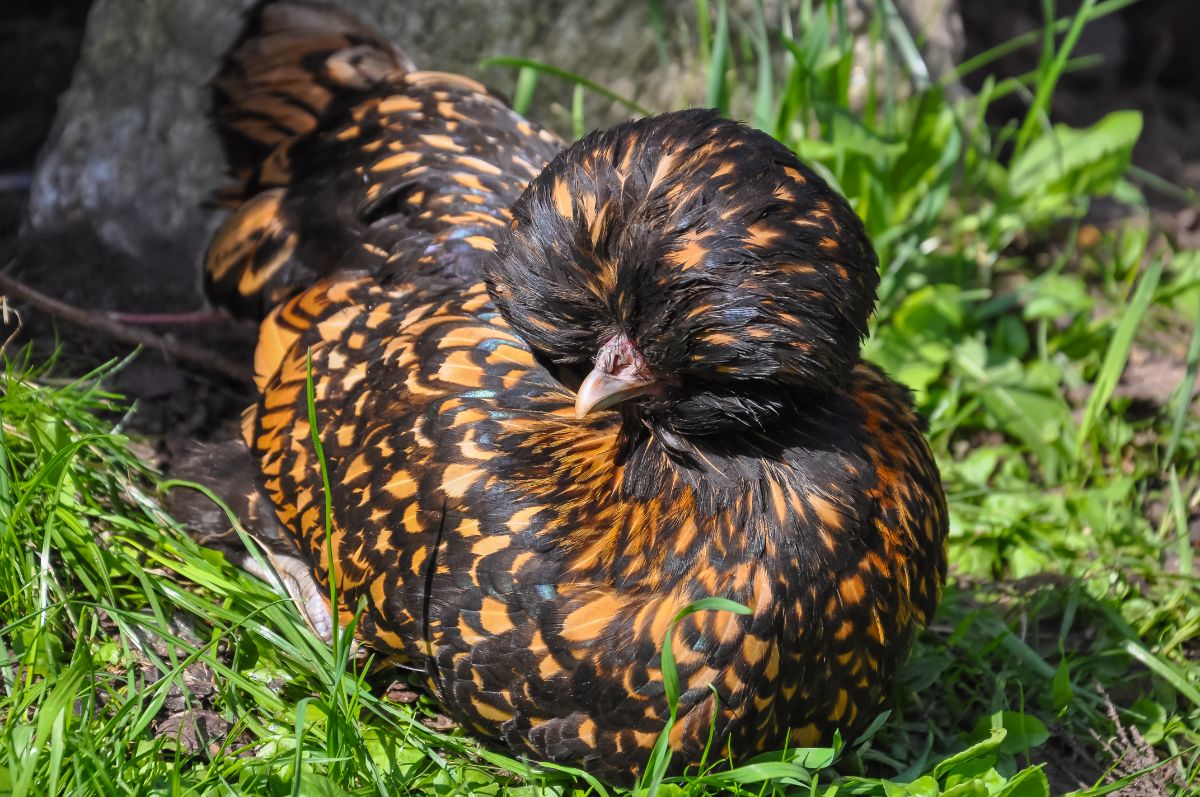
351 160
294 65
293 60
251 263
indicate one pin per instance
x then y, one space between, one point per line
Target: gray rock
131 153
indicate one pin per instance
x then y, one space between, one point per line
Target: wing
880 545
483 528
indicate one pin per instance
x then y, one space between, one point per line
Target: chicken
560 395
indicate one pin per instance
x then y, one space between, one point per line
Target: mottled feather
528 561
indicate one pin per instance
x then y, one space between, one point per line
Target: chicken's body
528 561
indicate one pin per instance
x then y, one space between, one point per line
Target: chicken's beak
601 390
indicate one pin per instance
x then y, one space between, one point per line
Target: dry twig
1133 756
184 352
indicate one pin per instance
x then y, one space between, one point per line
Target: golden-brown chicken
553 416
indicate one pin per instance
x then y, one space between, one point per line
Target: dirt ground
176 401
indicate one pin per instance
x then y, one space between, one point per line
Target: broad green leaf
1077 162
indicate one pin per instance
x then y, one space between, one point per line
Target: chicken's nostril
619 354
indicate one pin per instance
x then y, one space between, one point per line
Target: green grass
1068 640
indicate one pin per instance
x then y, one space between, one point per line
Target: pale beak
602 390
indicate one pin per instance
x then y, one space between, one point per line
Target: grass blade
527 78
1182 400
1117 354
1165 670
1051 72
718 90
554 71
